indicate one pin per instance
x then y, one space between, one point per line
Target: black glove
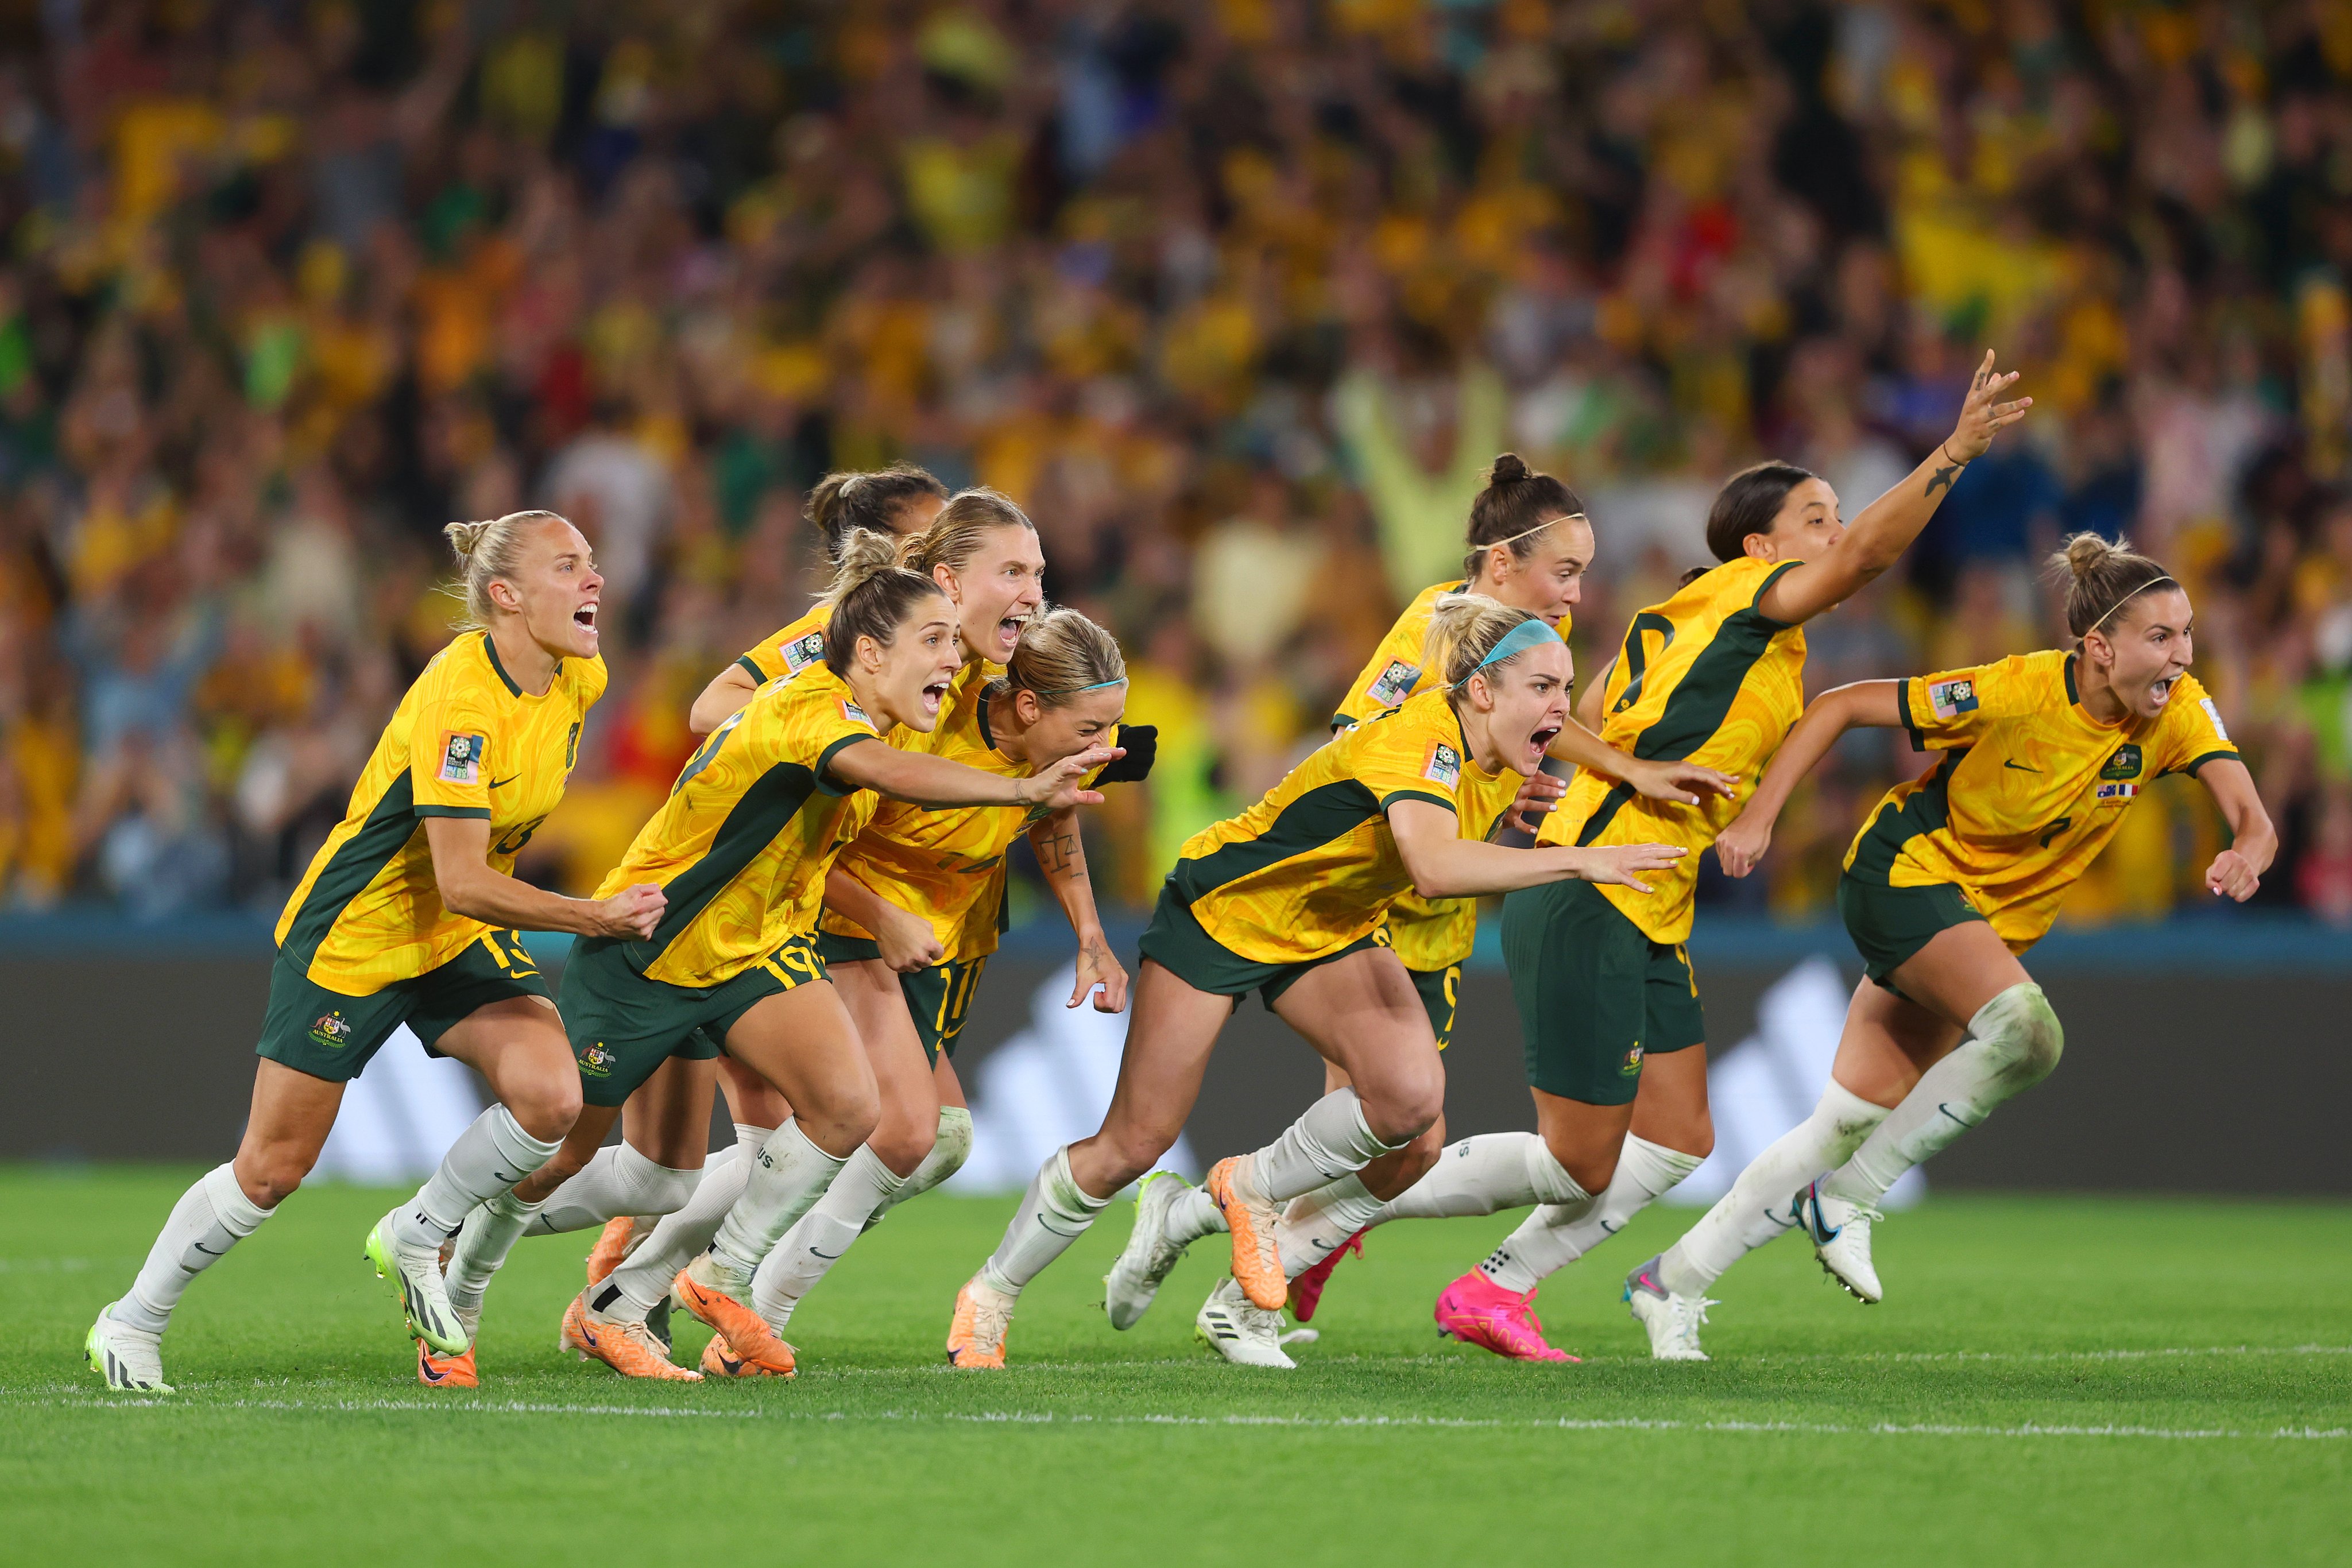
1142 743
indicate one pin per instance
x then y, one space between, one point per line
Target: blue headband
1528 633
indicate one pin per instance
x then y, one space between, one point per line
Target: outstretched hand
1683 781
1981 416
1619 862
1063 785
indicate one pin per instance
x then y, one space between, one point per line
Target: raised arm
1877 538
927 781
1865 702
1062 856
1443 864
2237 870
729 690
471 886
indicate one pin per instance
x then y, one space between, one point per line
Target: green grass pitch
2061 1381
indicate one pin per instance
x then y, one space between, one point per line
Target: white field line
1335 1423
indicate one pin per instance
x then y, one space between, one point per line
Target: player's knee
1404 1105
1133 1150
902 1143
1590 1169
954 1140
267 1173
2022 1030
545 1105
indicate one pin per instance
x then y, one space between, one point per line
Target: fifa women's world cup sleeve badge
1443 765
1393 684
461 756
1950 699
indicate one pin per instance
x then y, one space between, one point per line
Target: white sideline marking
1053 1417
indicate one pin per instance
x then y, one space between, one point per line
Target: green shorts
624 1026
1595 994
938 998
1439 990
1176 942
1890 924
332 1036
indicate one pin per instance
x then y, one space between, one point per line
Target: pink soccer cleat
1476 1311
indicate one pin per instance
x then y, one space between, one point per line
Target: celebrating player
407 915
1955 875
1607 1008
1284 900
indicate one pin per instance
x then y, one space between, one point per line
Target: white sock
786 1177
1485 1174
1193 1216
1053 1212
1330 1141
490 1232
1556 1235
2017 1043
794 1265
947 1158
1319 1224
616 1180
1757 1208
644 1277
488 1157
211 1217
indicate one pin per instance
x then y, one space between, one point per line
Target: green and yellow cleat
417 1282
130 1361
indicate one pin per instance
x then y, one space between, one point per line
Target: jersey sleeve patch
852 712
2213 716
461 756
1393 684
1443 765
802 651
1950 699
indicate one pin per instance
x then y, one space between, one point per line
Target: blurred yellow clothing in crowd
152 141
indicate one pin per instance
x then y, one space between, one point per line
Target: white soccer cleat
130 1359
1135 1279
1243 1333
414 1275
1840 1232
1673 1320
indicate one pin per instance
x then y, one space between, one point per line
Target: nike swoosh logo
2021 768
1608 1230
828 1257
1948 1111
1065 1234
207 1250
502 783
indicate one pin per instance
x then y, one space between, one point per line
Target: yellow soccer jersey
791 649
2029 788
465 742
947 866
1313 866
1704 677
1425 935
752 824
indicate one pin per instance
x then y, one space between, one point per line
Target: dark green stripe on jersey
1695 709
1326 812
1925 809
764 810
365 853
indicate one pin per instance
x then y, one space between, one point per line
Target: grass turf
2070 1381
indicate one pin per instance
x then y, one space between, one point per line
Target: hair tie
2127 599
1073 691
1523 533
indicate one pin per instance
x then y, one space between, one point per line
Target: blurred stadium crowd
1238 297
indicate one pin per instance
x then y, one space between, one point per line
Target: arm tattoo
1942 479
1061 854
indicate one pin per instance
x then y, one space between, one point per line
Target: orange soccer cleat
1257 1262
718 1361
613 1244
746 1334
628 1348
976 1335
446 1371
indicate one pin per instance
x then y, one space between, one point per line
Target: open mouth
585 618
2162 690
1008 630
933 696
1540 741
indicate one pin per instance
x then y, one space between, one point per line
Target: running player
1284 900
1955 875
743 847
407 915
1530 546
657 1168
1607 1008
